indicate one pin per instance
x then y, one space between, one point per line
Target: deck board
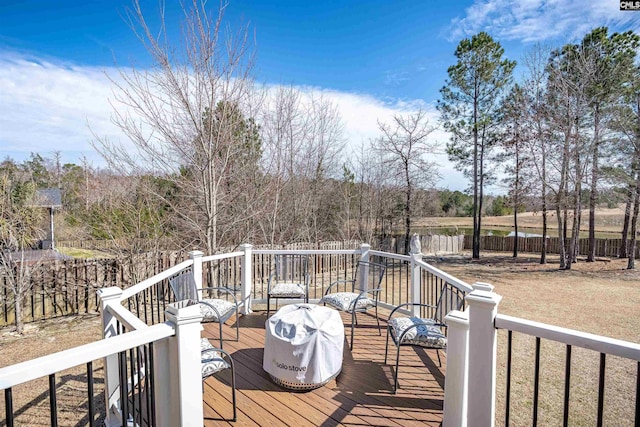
360 396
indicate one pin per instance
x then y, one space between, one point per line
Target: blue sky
374 58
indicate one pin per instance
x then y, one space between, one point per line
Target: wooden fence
609 248
61 288
431 245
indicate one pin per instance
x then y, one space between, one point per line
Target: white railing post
247 277
364 269
109 329
455 382
177 361
415 283
196 256
481 406
482 286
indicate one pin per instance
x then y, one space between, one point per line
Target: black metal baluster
8 404
153 290
53 405
147 388
122 365
140 389
92 408
536 383
601 389
567 387
132 374
144 304
637 423
508 388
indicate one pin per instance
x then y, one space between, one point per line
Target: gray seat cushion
425 334
345 300
287 290
223 307
212 360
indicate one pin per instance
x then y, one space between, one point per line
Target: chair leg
386 346
268 305
439 361
233 390
353 322
395 377
220 327
237 326
378 320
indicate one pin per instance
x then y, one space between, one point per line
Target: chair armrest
375 291
337 282
409 304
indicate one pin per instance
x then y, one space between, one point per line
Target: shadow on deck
361 395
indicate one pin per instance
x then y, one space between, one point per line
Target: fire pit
303 346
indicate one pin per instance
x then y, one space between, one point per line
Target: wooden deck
361 395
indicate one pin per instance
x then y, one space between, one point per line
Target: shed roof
47 198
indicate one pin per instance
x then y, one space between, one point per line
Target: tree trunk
481 186
407 211
515 203
627 216
18 309
476 210
593 197
543 253
634 222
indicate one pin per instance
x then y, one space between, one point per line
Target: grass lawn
608 222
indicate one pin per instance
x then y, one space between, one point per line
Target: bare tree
404 147
536 120
185 116
19 231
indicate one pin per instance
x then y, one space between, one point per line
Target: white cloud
47 106
538 20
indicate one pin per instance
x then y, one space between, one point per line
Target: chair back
183 286
374 274
291 268
451 298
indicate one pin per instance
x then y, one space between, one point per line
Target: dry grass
601 298
607 220
31 400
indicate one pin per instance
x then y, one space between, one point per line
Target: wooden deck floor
361 395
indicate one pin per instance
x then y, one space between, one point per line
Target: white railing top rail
307 251
19 373
127 318
390 255
147 283
463 286
218 257
571 337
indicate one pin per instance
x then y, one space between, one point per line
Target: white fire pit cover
303 346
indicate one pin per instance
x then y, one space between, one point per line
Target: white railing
470 383
177 394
